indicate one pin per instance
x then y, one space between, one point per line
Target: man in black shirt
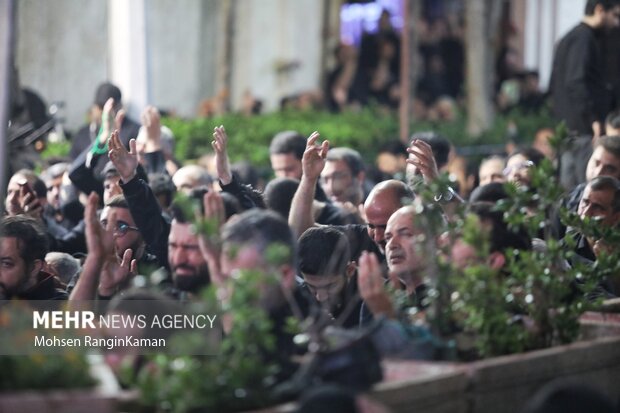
580 94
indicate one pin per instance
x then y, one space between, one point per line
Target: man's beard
191 283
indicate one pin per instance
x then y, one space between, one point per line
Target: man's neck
592 21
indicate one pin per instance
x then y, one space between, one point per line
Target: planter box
57 402
504 384
422 386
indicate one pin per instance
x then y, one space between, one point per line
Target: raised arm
100 244
301 216
222 163
143 206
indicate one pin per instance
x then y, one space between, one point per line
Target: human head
106 91
569 396
440 147
126 234
23 245
324 262
14 193
53 178
491 170
62 265
285 153
343 175
111 182
403 250
605 159
279 194
542 142
392 157
519 164
601 199
499 236
190 177
163 188
492 192
602 14
612 123
247 244
190 271
384 199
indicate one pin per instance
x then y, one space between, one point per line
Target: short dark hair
613 119
161 184
611 144
351 157
607 183
195 196
261 228
323 251
501 237
491 192
439 144
288 142
279 194
531 154
106 91
591 5
32 239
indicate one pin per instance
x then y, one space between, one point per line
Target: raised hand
424 161
370 283
209 235
29 203
107 121
99 241
313 160
151 120
115 275
222 163
125 162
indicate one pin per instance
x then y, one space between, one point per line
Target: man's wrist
127 178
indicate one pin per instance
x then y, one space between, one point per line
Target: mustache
183 267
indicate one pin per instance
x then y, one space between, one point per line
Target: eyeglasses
121 227
517 167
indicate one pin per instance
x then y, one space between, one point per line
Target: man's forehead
182 231
401 219
9 246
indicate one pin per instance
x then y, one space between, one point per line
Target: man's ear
496 260
350 270
288 277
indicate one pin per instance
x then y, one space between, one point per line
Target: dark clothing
47 287
87 134
574 197
146 212
359 240
247 196
574 160
87 179
333 215
583 252
580 95
346 313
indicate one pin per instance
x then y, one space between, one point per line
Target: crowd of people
105 222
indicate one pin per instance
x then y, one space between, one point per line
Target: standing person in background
581 96
104 118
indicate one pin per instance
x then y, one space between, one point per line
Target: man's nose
321 295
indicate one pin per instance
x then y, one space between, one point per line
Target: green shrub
364 131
